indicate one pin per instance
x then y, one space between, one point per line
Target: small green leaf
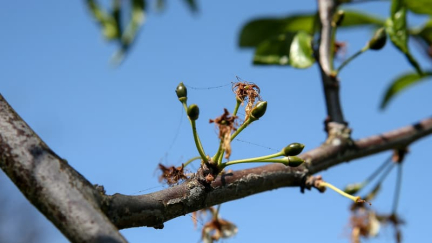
129 34
259 30
107 21
419 6
424 36
192 5
301 52
396 28
355 18
426 32
401 83
274 51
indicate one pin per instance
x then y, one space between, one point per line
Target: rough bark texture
50 184
85 214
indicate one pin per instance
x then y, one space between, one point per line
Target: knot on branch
338 133
207 173
312 181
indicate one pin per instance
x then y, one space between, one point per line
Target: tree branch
85 214
155 208
326 10
64 196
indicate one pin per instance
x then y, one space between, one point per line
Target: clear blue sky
114 125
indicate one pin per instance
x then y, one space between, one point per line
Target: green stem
386 163
267 158
191 160
219 153
328 185
243 126
352 58
184 103
236 107
198 142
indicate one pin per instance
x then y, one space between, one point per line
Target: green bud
338 17
353 188
293 149
294 161
259 110
379 39
181 92
193 112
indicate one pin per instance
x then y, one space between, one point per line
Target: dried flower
216 228
172 175
247 91
367 223
226 124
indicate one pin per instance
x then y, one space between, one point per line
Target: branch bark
85 214
326 10
64 196
156 208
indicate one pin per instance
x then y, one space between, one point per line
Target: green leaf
355 18
129 34
274 51
424 36
426 32
402 83
396 27
419 6
192 5
107 21
259 30
301 52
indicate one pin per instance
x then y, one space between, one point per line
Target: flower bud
181 92
379 39
353 188
294 161
193 112
259 110
293 149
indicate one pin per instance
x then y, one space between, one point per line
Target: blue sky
114 125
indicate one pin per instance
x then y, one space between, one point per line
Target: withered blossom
366 223
172 175
217 228
249 92
225 124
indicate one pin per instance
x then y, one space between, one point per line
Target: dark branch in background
64 196
326 10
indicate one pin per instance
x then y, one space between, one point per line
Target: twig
326 9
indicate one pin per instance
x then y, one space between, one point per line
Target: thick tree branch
84 214
64 196
326 10
155 208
